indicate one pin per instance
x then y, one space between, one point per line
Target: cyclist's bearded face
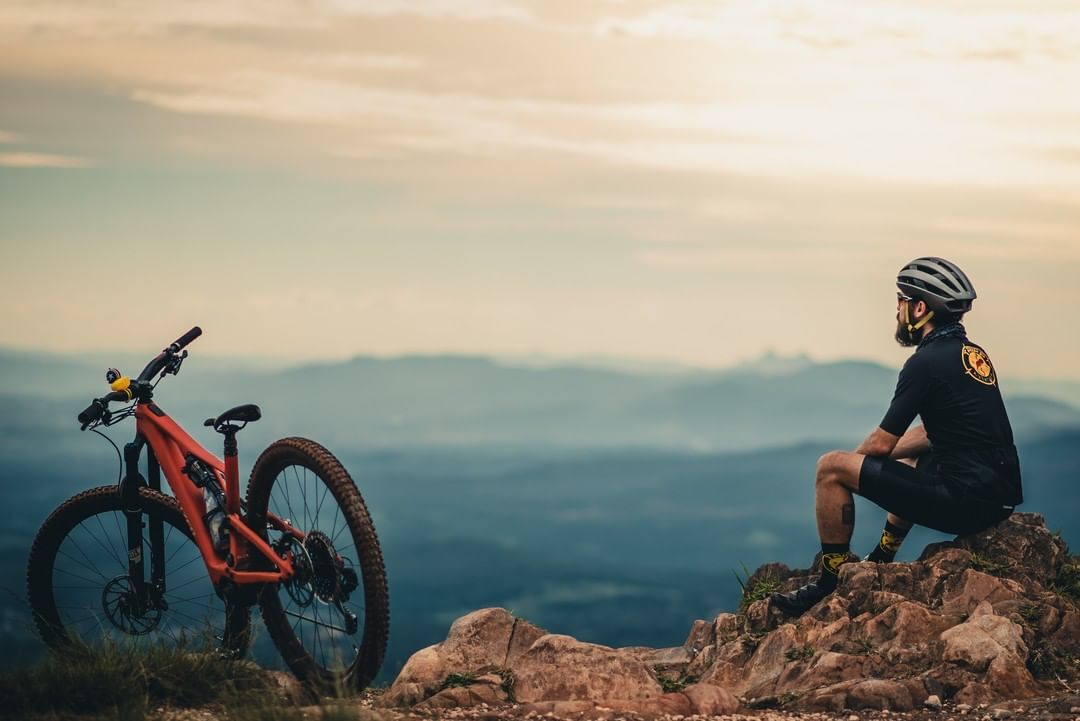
905 316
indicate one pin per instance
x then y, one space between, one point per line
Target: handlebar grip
183 340
92 413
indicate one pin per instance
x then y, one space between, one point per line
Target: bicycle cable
120 458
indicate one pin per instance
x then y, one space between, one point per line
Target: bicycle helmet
938 283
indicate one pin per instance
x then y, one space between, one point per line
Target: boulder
981 639
421 675
709 700
471 695
486 639
478 640
1020 545
880 694
561 668
975 587
702 635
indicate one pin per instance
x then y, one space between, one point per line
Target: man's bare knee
829 461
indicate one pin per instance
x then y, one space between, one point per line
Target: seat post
232 468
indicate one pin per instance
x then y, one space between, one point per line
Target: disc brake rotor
121 604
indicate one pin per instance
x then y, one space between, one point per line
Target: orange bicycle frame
170 444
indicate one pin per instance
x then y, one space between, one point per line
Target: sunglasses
901 298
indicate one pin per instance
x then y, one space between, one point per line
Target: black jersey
952 385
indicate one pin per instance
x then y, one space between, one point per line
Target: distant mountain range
467 401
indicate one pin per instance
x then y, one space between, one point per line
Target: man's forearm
912 444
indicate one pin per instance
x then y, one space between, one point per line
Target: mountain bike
130 563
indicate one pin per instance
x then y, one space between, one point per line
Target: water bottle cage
214 518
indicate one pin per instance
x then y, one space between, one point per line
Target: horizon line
627 364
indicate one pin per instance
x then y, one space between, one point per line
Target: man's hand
879 443
912 445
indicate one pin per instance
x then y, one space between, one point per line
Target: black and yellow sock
891 538
833 555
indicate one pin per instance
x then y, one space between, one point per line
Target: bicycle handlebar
179 343
96 410
160 359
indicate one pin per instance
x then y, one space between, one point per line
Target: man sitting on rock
957 473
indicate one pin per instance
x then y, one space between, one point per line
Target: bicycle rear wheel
81 594
331 621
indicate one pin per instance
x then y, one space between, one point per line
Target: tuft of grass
751 641
456 680
786 699
1029 613
863 645
126 681
799 653
673 684
507 684
755 590
1067 583
986 565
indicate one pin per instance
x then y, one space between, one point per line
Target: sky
696 182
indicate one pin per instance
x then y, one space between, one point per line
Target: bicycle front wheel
331 621
81 594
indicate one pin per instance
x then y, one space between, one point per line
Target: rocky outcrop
979 620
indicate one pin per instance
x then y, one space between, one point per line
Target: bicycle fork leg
132 504
157 528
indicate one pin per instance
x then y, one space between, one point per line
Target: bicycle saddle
247 413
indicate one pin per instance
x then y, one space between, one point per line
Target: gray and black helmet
938 283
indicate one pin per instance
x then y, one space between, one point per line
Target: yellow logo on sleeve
977 365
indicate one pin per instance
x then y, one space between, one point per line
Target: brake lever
172 366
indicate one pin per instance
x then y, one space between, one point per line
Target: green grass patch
755 589
786 699
125 681
863 645
674 684
456 680
988 566
751 641
507 684
799 653
1067 583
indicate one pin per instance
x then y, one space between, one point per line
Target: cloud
983 32
360 61
461 9
6 137
138 18
42 160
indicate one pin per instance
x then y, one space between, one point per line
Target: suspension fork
133 508
157 526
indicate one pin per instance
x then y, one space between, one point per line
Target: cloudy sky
687 181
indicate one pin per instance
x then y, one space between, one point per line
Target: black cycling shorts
925 496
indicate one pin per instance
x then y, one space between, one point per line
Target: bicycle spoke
92 583
86 562
192 598
314 622
98 541
112 550
306 508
